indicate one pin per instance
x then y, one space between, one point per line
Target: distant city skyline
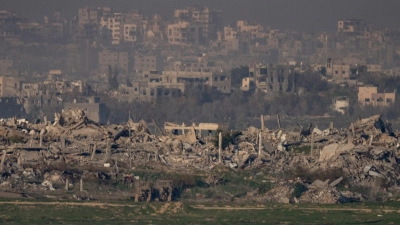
307 15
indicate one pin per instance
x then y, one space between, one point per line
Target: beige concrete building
188 63
368 95
144 62
114 23
178 33
341 104
250 29
94 109
132 32
374 68
9 86
352 26
146 91
206 20
339 70
87 15
229 33
220 81
114 59
268 78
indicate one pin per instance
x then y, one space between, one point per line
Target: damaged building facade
92 107
268 78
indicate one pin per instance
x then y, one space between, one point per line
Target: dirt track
294 207
98 204
92 204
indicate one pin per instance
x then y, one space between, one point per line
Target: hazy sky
310 15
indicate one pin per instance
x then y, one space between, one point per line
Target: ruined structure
268 79
364 154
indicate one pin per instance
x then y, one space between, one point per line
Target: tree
128 82
238 74
113 78
323 71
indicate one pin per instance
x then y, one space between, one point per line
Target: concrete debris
333 150
48 185
336 182
365 154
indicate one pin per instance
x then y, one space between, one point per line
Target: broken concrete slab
336 182
335 149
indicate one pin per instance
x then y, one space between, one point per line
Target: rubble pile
365 154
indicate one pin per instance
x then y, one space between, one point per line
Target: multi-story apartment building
132 32
268 78
147 62
201 22
124 26
89 15
248 29
219 80
113 59
339 70
179 33
355 26
146 91
229 33
114 22
9 86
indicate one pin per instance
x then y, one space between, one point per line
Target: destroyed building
364 154
11 106
93 108
9 86
268 79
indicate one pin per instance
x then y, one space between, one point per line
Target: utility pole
220 147
130 141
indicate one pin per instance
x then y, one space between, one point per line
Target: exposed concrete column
156 156
279 121
81 185
45 120
259 144
130 159
108 149
312 141
40 139
93 151
66 184
207 157
2 159
262 123
62 141
220 147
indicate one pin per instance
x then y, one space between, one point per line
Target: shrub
182 181
264 188
209 193
299 189
309 176
227 138
16 139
